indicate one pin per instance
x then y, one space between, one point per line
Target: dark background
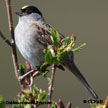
88 19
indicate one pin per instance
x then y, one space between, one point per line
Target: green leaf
16 106
53 105
67 41
70 45
49 81
22 69
80 47
26 94
2 102
51 49
55 61
62 55
49 57
44 51
44 69
43 96
27 91
55 37
44 66
45 73
24 98
27 106
93 105
67 44
35 91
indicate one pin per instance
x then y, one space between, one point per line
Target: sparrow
32 36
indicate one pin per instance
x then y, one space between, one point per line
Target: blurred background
89 21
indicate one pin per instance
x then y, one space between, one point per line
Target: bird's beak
19 12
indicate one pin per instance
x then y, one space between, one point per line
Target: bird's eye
28 11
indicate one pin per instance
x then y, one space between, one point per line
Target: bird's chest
26 41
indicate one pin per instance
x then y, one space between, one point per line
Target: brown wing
44 33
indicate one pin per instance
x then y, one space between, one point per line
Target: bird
32 36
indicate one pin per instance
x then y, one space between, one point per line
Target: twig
31 83
60 104
14 55
37 73
69 105
13 46
5 39
26 74
52 83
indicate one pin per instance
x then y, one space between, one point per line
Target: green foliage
62 55
48 55
22 69
16 106
69 44
67 41
38 95
55 37
49 58
45 72
80 47
93 105
53 105
35 91
53 56
44 66
27 91
25 97
28 106
42 96
2 102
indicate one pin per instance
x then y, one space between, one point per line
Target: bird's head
27 10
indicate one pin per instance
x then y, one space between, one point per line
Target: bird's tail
72 67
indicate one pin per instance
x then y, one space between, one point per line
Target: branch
9 12
14 55
52 83
31 83
69 105
5 39
26 74
60 104
13 46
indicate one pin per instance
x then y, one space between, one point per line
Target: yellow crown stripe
25 6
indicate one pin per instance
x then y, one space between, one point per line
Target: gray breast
31 50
